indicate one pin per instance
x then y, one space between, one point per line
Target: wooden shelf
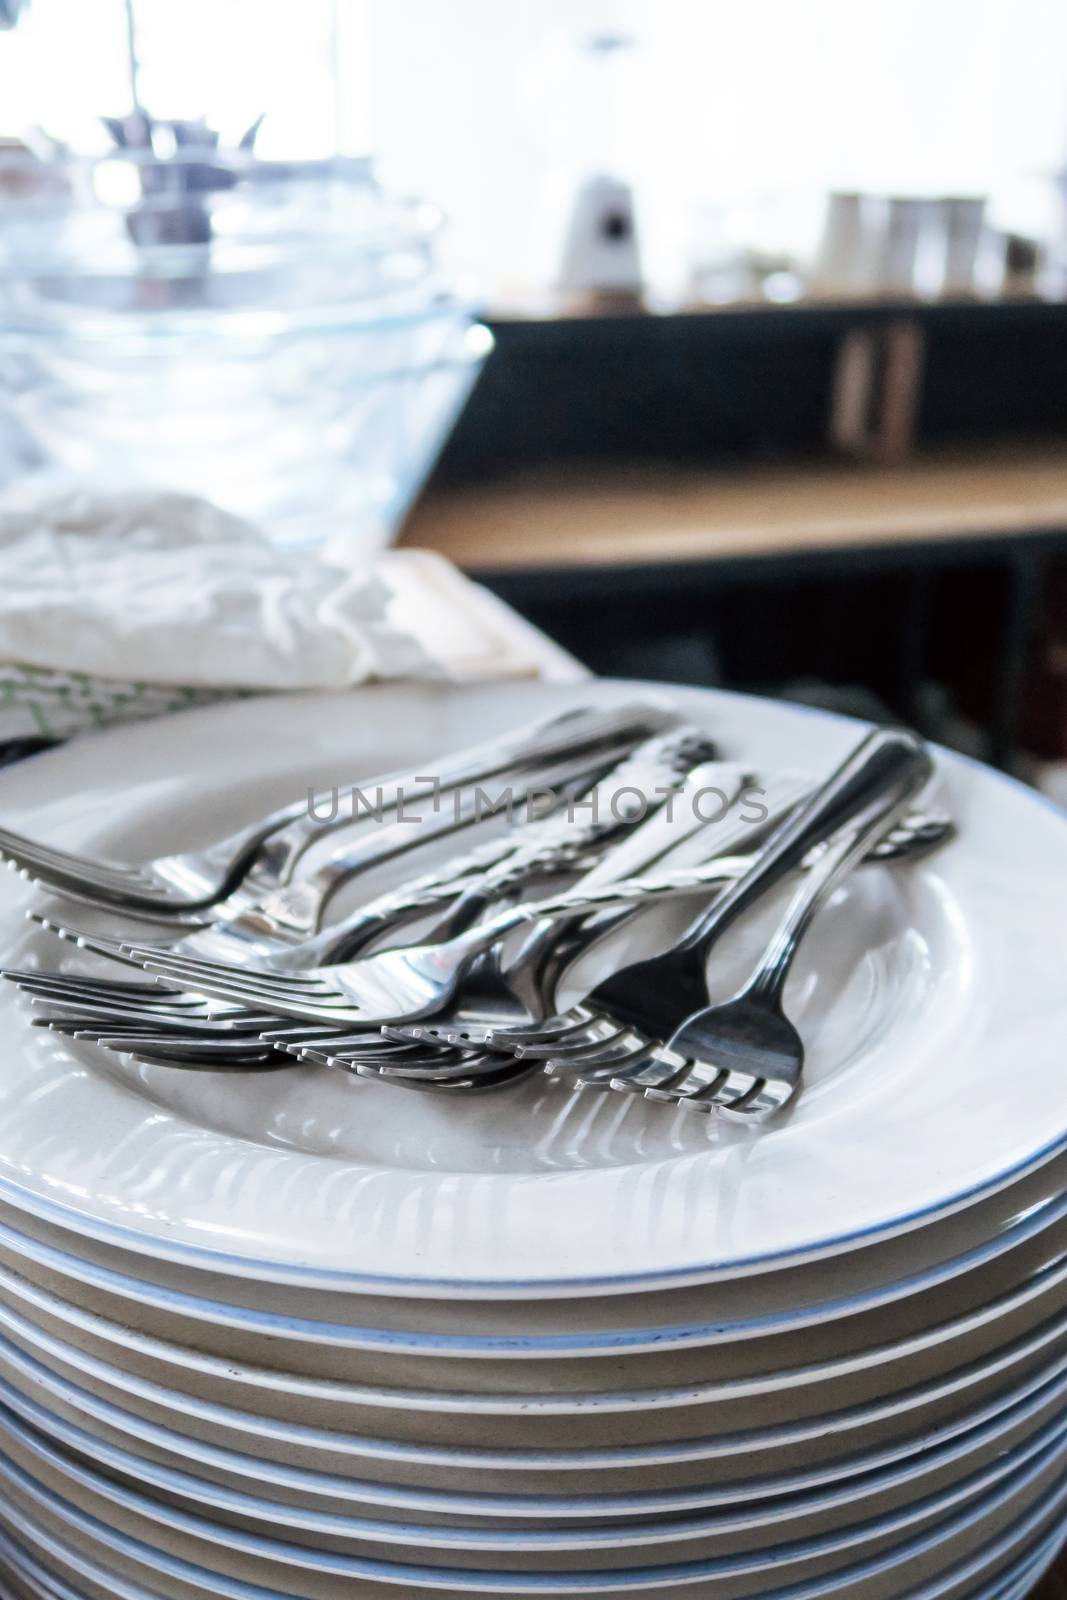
606 517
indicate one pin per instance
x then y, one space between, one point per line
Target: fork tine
713 1100
79 1027
575 1044
315 1008
621 1050
90 884
197 966
665 1068
15 843
509 1039
764 1098
33 980
234 987
216 1048
330 1053
505 1074
60 984
354 1038
600 1075
130 1004
703 1078
158 901
294 1034
709 1085
103 991
18 849
243 1025
190 1038
211 977
72 935
96 943
437 1032
570 1021
78 1005
151 1050
424 1072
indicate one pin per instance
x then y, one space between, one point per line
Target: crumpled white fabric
158 587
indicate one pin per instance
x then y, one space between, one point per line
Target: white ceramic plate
403 1477
1032 1268
746 1466
672 1409
798 1530
935 1066
1031 1280
323 1467
455 1520
1015 1573
198 1552
852 1282
339 1429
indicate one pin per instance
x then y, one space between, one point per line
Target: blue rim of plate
383 1283
1013 1582
472 1580
947 1446
1034 1222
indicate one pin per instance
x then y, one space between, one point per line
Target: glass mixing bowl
278 337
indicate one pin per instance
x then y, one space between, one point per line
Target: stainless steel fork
283 929
404 983
152 1024
744 1054
674 837
551 845
550 1033
394 985
592 1050
107 1011
268 850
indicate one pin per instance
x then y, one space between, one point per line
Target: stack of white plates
297 1334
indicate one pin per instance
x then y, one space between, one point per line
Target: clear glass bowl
278 338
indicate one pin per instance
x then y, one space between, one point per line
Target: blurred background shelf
917 590
753 383
863 503
548 521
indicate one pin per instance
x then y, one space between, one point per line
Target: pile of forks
449 981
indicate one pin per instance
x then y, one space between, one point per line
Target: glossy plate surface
935 1045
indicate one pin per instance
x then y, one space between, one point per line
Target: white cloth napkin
124 603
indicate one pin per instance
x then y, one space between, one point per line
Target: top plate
931 997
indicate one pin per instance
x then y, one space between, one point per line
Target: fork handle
871 785
767 982
571 837
580 903
280 840
866 792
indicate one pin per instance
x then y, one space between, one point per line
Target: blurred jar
748 247
906 245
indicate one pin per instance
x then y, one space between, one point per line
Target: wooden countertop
610 517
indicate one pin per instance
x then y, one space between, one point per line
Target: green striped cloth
41 704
